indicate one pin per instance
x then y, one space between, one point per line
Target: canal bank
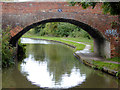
92 60
52 65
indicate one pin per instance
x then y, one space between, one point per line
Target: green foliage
108 7
100 68
116 59
111 7
94 67
7 49
111 66
84 4
8 52
80 33
64 29
59 29
38 28
118 73
50 28
113 24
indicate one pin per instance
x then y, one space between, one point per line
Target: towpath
86 54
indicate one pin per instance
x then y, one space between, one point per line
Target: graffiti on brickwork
112 32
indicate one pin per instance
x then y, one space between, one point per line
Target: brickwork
21 15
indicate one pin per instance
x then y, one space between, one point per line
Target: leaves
59 29
112 8
84 4
7 49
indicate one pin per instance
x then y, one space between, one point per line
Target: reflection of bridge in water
23 16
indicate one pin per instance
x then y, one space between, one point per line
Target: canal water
52 65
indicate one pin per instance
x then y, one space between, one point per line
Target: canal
52 65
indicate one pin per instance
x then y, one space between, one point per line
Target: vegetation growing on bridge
8 51
112 8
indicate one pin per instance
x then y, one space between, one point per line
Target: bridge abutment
102 48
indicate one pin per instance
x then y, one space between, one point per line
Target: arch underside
99 39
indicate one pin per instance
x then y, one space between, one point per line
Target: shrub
7 49
9 52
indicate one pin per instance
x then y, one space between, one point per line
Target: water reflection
53 65
35 41
40 74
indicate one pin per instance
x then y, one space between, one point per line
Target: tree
112 8
38 28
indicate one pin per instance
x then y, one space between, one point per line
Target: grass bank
115 59
77 45
110 68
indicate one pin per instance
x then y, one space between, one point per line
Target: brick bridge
22 16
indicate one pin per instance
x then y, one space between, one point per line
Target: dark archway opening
101 45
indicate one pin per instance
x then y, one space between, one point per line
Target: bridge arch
101 44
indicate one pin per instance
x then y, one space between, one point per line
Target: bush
7 50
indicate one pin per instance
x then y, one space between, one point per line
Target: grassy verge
116 59
110 66
77 45
85 40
